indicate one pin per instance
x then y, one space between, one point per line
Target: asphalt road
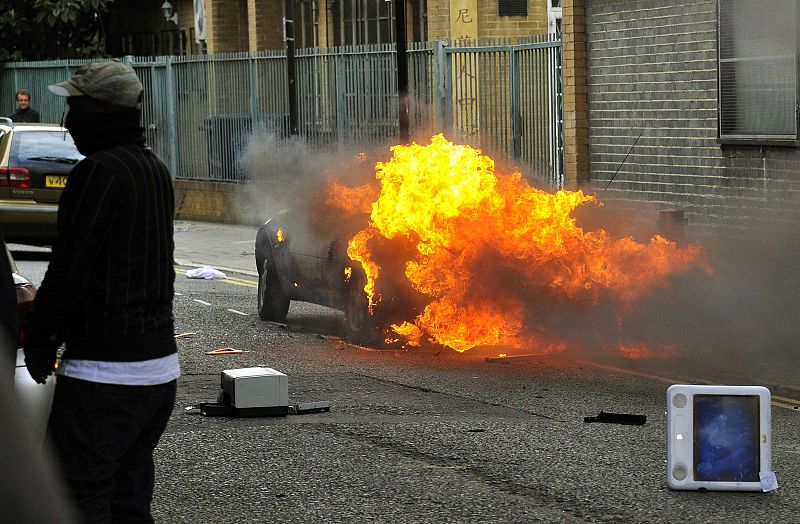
434 436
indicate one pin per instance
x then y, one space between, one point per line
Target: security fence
199 111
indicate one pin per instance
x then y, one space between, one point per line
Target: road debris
215 409
225 351
502 358
184 335
205 272
305 408
617 418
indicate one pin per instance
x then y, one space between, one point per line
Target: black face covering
94 132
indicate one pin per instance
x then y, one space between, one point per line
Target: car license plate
56 181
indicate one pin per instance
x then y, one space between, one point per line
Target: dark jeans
104 436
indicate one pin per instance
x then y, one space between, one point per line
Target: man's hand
40 359
41 351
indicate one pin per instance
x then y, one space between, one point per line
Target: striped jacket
109 287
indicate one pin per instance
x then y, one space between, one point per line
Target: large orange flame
447 201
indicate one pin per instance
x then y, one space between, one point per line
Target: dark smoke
746 316
289 175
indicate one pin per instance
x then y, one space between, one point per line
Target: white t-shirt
140 373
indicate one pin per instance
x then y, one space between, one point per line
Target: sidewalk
229 248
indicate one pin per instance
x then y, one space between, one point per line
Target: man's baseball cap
111 81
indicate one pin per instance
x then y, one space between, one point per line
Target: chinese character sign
464 32
463 19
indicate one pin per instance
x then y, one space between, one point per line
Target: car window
43 145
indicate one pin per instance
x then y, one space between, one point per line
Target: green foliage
50 29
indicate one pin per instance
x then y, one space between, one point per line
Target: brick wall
265 21
205 200
227 26
652 70
438 19
489 24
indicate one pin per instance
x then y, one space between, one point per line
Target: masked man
107 295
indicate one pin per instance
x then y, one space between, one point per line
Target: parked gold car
35 160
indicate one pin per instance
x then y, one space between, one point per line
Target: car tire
273 304
360 327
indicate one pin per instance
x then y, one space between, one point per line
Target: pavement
229 248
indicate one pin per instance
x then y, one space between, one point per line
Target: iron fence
199 111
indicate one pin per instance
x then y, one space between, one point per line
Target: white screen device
718 437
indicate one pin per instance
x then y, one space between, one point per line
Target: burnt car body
295 263
35 161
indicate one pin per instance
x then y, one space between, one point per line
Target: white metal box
257 391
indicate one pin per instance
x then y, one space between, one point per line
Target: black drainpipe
402 66
288 30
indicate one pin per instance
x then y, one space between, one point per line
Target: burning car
438 248
295 264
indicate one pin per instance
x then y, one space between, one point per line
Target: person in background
24 112
107 295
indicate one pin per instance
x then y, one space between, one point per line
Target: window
37 144
419 18
358 22
512 7
758 71
306 32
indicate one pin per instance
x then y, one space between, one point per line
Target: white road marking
239 312
202 302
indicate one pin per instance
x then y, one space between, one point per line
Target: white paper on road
205 272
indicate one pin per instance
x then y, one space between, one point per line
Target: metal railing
199 111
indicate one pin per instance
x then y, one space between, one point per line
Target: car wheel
360 327
273 304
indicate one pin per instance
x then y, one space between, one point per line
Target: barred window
512 7
306 33
357 22
758 70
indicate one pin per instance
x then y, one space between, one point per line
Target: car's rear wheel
361 327
273 304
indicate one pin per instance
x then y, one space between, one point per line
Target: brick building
708 100
325 23
140 27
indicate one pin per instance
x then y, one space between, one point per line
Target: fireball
489 252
